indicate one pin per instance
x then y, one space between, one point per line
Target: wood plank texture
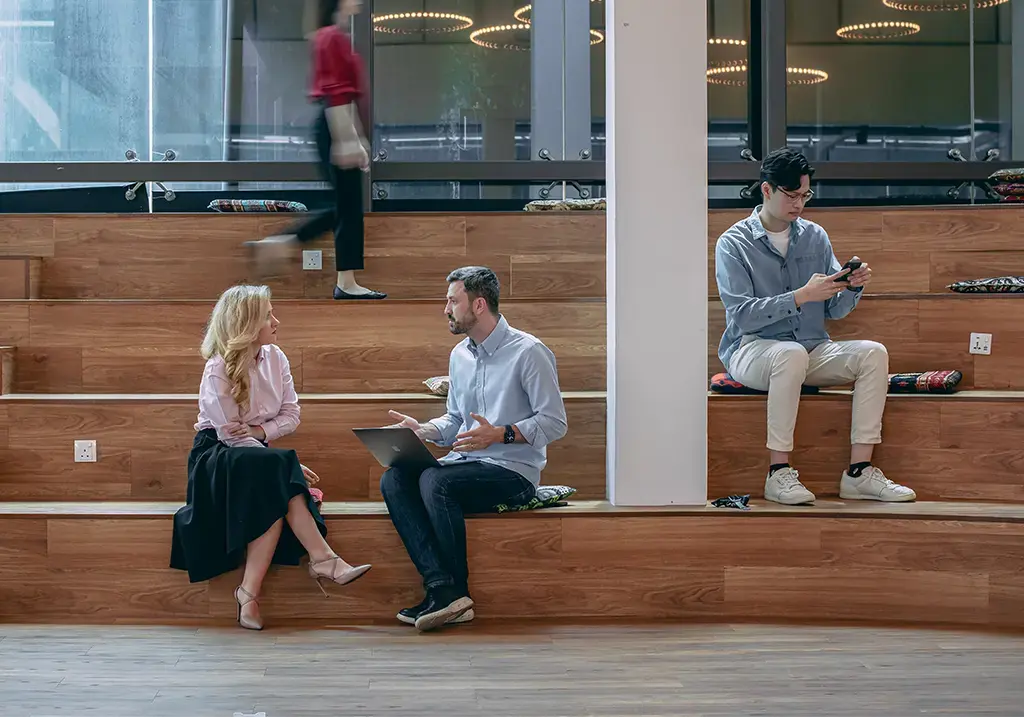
143 445
926 333
954 448
341 347
196 256
552 565
911 250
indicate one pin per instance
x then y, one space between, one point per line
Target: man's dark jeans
428 512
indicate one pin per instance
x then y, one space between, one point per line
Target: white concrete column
657 252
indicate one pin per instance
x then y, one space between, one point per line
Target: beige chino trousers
781 367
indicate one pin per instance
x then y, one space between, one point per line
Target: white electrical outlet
85 451
312 259
981 344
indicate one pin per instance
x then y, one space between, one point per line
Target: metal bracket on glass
546 192
382 154
544 154
584 154
380 193
957 156
748 192
168 156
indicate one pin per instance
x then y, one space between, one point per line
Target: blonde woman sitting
248 502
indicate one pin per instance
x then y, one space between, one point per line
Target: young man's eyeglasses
797 196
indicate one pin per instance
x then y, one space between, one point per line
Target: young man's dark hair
479 281
783 168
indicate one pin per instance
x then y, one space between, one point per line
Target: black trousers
346 217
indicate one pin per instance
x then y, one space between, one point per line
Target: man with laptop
504 408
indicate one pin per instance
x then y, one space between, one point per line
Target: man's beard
461 327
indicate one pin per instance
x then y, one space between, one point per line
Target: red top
339 77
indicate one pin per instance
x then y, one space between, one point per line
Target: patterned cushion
925 382
566 205
547 496
724 383
1007 175
1014 189
438 385
255 205
995 285
317 495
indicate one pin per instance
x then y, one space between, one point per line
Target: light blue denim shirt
508 378
756 284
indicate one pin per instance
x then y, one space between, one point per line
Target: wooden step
6 369
190 256
143 443
957 447
917 563
926 332
912 249
20 277
334 346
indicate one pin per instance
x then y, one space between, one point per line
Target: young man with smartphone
780 280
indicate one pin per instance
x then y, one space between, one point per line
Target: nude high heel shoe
330 572
248 598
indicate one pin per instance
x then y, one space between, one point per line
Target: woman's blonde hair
231 332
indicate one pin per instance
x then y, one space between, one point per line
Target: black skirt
234 496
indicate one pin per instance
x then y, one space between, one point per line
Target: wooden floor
519 669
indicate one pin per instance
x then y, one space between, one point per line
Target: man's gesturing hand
480 437
422 431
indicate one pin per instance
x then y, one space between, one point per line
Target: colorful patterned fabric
724 383
566 205
925 382
547 496
1007 175
438 385
255 205
1014 189
317 495
995 285
740 502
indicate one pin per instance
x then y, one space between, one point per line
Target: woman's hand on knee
311 477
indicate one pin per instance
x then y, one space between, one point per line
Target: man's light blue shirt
756 285
510 378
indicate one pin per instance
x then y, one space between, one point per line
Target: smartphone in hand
852 265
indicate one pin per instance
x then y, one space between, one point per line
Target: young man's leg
448 493
778 367
866 363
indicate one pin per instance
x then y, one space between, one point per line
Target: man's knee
432 483
873 354
391 482
790 359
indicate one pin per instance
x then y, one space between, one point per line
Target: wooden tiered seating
913 563
106 346
143 441
124 300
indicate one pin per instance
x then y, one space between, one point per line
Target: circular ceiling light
940 5
878 30
523 13
734 74
480 37
394 24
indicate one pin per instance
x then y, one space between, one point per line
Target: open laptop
397 448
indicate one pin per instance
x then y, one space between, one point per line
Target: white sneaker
461 619
873 485
784 486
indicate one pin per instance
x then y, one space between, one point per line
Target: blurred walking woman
339 87
246 502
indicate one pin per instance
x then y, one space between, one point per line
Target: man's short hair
783 168
479 281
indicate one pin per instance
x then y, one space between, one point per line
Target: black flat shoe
340 295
